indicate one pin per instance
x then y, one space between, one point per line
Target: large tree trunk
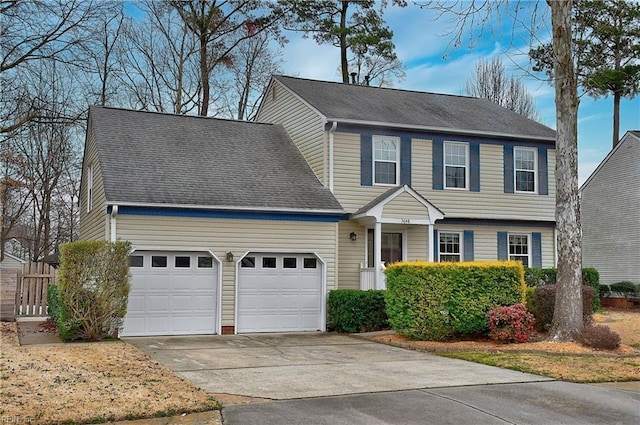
204 75
616 118
567 318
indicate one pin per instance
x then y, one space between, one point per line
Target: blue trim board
495 223
415 134
247 215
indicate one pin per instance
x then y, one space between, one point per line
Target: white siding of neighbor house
238 236
490 203
92 224
485 240
610 215
304 126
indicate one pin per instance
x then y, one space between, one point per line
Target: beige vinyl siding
490 203
92 224
304 125
351 254
485 240
417 243
405 206
610 214
238 236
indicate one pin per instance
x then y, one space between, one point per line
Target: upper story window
525 169
89 188
456 165
386 159
519 248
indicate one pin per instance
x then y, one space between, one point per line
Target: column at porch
377 255
430 243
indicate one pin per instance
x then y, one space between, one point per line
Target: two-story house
422 175
244 227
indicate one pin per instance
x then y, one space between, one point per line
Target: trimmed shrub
434 301
626 287
350 310
542 305
66 327
93 288
540 277
510 324
600 337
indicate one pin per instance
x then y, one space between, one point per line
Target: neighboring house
610 208
11 262
244 227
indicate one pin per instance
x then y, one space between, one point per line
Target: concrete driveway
302 365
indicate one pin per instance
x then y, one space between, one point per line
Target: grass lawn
88 383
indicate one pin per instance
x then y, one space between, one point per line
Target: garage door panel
172 300
279 299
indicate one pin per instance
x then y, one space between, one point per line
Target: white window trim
397 161
528 235
466 165
460 238
535 170
89 188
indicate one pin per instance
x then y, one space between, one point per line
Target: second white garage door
279 293
172 293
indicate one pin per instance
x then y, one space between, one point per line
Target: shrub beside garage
434 301
351 310
89 301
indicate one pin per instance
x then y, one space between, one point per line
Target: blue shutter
508 169
366 160
474 165
468 245
536 250
543 172
436 245
437 159
503 246
405 160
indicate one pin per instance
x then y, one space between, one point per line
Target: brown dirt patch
625 323
88 381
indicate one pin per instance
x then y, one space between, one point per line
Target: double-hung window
386 160
525 169
519 248
449 247
456 165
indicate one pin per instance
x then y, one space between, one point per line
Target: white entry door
279 293
172 293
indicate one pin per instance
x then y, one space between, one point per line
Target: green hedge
92 289
350 310
539 277
67 327
437 300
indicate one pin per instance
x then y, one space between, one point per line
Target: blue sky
422 45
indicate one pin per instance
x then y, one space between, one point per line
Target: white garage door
279 293
172 293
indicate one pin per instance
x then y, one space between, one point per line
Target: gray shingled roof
153 158
430 111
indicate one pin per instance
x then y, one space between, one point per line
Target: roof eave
228 208
440 129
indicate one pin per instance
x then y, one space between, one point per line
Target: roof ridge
171 114
381 88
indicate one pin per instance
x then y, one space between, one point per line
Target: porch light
230 257
353 236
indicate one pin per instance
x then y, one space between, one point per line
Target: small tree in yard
93 289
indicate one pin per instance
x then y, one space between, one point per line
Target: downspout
114 214
331 131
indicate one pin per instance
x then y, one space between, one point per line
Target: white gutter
331 131
114 214
440 129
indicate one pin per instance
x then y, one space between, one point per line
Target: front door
391 247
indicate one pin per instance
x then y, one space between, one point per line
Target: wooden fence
31 293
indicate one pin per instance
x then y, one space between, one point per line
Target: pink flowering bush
510 324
